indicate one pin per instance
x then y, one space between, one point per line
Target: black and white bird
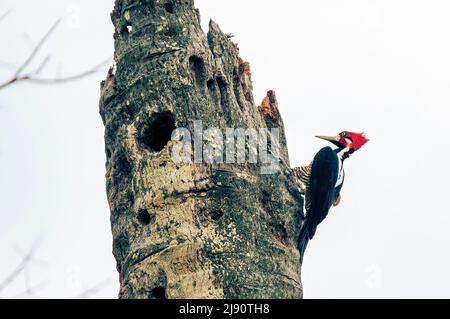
322 181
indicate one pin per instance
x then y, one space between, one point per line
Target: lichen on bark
191 230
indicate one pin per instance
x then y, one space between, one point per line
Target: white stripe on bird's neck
342 155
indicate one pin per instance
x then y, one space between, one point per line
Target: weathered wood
192 230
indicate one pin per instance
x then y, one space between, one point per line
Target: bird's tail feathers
303 241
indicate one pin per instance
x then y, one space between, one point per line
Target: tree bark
192 230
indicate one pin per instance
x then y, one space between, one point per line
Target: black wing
324 175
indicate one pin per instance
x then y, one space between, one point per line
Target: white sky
378 66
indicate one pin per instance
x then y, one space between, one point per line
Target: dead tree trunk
192 230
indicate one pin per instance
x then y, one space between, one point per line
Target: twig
94 290
17 271
75 77
36 49
4 15
31 76
43 65
22 266
33 259
31 290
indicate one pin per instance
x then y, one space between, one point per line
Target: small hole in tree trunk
224 102
158 132
169 7
211 84
222 84
216 215
198 71
145 218
126 30
158 293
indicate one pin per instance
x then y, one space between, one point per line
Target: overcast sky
378 66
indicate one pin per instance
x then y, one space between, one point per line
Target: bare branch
59 80
94 290
4 15
8 83
33 259
31 291
14 274
37 48
17 271
43 65
31 76
27 259
75 77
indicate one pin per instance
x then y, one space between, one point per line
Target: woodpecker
322 181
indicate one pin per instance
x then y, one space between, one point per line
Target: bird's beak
329 138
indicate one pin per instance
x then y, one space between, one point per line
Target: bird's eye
344 133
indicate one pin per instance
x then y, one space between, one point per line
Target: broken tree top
187 229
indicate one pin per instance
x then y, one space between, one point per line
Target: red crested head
350 140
